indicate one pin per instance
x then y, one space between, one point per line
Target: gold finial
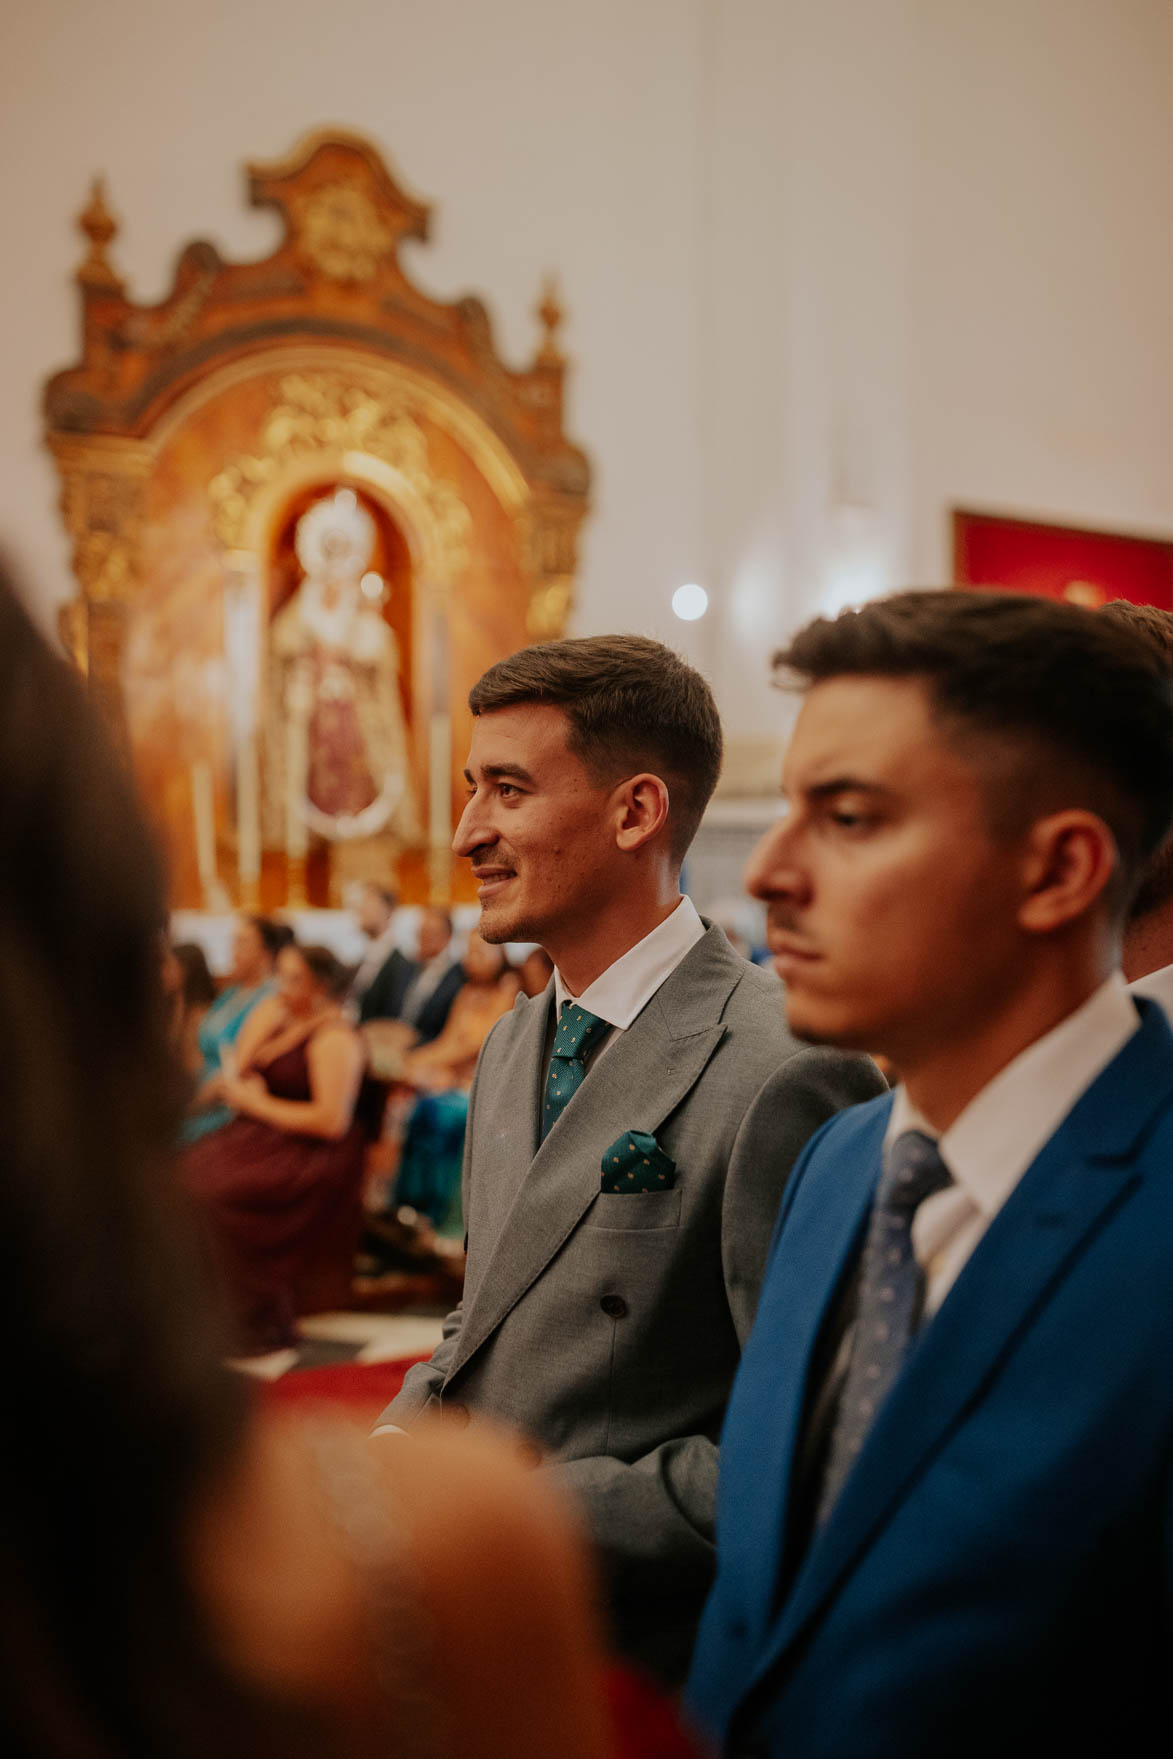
99 226
550 314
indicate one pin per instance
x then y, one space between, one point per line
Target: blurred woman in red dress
280 1185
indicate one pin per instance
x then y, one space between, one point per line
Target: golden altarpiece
309 505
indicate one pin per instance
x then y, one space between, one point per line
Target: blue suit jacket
996 1577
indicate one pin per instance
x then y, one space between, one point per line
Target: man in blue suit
945 1517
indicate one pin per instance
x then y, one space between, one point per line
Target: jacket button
614 1306
457 1415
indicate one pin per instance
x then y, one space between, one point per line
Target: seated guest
200 1579
429 1170
281 1183
255 945
437 979
378 986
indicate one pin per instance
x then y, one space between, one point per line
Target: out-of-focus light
690 602
371 585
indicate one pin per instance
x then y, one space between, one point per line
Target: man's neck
954 1069
1148 943
585 957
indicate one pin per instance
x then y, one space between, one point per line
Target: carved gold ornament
328 412
339 229
102 486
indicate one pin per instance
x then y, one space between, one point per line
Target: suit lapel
784 1346
634 1084
1068 1193
509 1115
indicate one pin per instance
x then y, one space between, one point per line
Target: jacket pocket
636 1212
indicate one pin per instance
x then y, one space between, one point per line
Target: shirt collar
1158 985
439 962
381 947
993 1141
628 985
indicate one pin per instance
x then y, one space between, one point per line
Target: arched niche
193 434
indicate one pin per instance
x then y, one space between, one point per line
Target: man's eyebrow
845 785
839 785
500 772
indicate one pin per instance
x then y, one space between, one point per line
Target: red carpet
364 1388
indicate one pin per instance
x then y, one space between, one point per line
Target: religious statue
335 743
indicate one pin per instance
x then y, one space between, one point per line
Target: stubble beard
498 929
495 934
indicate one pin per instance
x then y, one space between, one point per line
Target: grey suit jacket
609 1327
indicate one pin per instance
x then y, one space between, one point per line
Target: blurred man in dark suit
437 976
382 979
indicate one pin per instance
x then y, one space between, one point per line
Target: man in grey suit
629 1130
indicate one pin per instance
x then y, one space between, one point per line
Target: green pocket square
636 1162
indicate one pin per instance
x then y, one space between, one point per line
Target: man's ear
1070 859
641 805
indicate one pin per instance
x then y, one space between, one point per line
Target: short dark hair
1145 620
632 705
1156 626
1080 705
197 985
273 935
327 971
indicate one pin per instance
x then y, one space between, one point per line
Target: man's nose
773 870
473 830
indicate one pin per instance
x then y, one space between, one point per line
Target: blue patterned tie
578 1033
891 1295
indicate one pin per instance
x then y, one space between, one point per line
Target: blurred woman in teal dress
255 946
442 1072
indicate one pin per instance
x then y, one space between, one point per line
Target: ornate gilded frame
361 357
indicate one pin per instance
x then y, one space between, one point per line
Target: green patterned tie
579 1031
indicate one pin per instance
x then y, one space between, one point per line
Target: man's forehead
862 728
528 734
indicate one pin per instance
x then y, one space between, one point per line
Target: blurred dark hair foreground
182 1576
116 1405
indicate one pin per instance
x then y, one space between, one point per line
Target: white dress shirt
373 961
630 982
424 985
990 1145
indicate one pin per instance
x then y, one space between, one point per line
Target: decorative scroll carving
329 412
339 230
102 489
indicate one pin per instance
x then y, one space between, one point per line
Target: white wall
831 266
1042 284
548 136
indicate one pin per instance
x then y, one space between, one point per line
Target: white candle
203 808
440 801
242 638
248 812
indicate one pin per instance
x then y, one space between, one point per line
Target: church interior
350 349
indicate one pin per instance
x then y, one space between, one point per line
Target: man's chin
496 927
815 1025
